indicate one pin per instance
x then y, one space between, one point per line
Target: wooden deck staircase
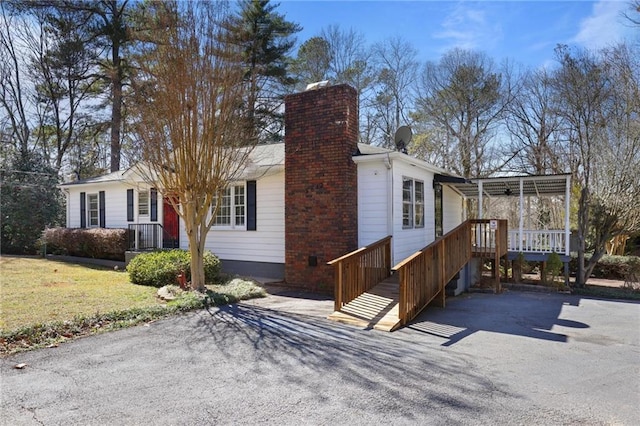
369 296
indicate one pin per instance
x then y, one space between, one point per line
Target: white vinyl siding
266 243
380 206
452 209
373 202
407 241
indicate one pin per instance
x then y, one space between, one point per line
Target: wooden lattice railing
360 270
424 275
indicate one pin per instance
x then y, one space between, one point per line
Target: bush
160 268
554 268
98 243
609 267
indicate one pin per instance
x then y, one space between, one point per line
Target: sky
525 32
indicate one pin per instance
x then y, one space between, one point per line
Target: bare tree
195 138
342 56
615 184
534 126
396 64
16 97
599 104
350 58
463 99
633 14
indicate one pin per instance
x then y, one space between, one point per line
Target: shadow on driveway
530 315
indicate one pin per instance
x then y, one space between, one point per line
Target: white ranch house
308 200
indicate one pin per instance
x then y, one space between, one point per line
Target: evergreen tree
29 202
313 62
265 39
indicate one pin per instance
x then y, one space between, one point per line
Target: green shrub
609 267
160 268
98 243
554 266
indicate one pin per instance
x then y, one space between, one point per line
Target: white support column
521 224
480 199
567 209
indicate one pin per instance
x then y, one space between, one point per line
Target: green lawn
44 302
35 290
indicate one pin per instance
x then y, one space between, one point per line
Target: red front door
170 236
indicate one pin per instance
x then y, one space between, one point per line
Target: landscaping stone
165 293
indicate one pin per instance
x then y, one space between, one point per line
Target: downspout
389 165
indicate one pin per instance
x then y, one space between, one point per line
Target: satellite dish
402 138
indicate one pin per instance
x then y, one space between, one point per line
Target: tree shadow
530 315
404 373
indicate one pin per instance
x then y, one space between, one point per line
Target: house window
239 205
232 208
419 204
143 203
437 191
412 203
93 210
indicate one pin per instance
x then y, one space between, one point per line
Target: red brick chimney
321 192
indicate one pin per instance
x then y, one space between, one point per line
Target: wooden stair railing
424 275
360 270
489 239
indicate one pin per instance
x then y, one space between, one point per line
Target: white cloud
603 27
467 28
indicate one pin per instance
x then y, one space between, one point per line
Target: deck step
376 308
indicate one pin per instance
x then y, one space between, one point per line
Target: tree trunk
197 266
583 224
116 107
196 233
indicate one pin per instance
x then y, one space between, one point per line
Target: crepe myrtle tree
194 138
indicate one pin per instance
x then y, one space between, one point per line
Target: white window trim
89 210
148 214
413 203
232 210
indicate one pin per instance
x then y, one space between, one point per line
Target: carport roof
510 186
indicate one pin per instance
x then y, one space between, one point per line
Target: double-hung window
231 208
93 210
412 203
143 203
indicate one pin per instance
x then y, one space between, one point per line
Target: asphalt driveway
515 358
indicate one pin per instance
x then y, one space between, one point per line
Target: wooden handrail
361 270
490 242
424 274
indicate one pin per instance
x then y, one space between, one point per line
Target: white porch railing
539 241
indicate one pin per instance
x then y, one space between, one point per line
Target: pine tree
265 39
